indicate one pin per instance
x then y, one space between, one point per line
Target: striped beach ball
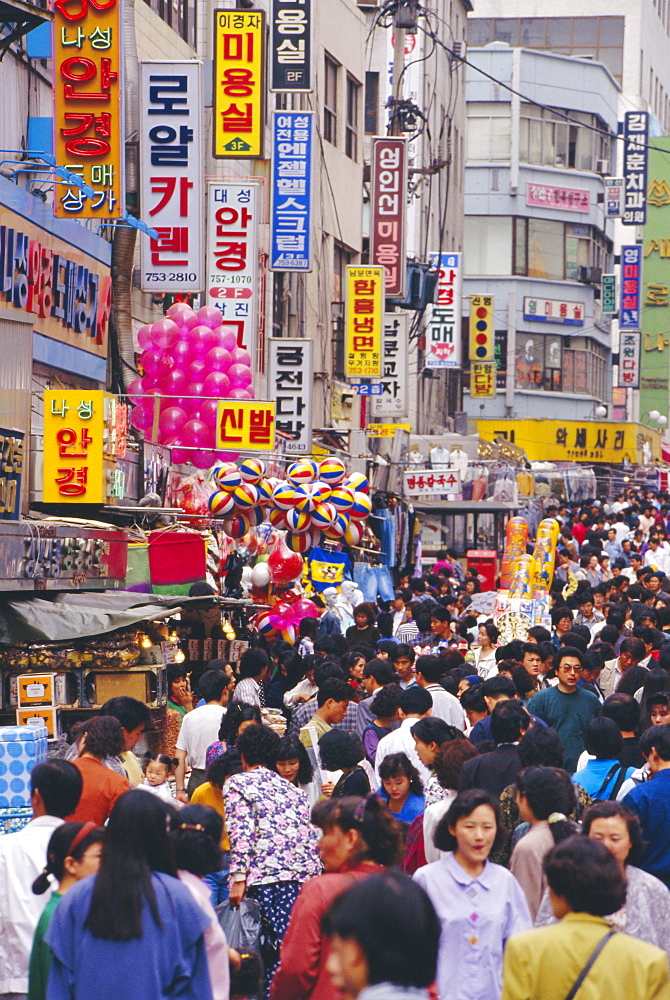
332 471
252 470
362 506
342 498
221 503
245 496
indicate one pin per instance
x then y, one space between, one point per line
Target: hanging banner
291 387
89 132
171 183
291 213
631 284
234 215
482 379
245 425
292 46
443 330
608 301
635 155
388 202
629 359
239 86
364 322
391 401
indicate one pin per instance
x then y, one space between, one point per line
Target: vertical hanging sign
88 108
630 311
290 224
629 359
635 156
291 46
171 182
239 86
233 220
443 331
388 203
291 387
364 322
392 400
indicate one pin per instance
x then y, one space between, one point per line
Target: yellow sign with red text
245 425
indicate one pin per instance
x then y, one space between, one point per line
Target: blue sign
290 222
366 388
635 155
631 285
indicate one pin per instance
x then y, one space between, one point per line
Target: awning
466 507
21 17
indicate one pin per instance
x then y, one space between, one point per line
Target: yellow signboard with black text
577 440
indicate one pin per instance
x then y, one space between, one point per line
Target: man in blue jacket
651 802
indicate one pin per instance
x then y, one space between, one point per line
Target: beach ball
338 528
342 498
237 526
297 520
245 496
229 479
323 515
277 519
357 482
264 625
354 533
284 496
221 503
252 470
320 491
304 471
256 516
362 506
299 541
332 471
264 487
304 499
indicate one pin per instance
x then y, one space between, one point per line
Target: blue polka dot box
21 747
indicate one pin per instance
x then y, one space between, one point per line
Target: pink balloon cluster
284 615
190 360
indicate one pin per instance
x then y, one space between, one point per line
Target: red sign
389 197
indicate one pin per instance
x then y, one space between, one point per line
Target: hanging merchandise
527 579
176 561
328 569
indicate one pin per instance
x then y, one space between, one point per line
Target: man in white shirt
657 556
199 729
631 653
415 703
429 669
254 668
55 790
398 608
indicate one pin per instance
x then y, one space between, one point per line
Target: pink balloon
178 311
187 322
305 609
241 357
229 339
134 390
195 434
209 411
203 459
218 360
149 382
144 336
238 393
164 333
180 456
216 384
197 370
240 376
180 352
175 383
151 359
164 366
171 421
227 456
142 416
202 339
209 316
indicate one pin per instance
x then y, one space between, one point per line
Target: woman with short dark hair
604 774
340 751
102 786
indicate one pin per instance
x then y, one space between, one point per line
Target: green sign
608 295
655 353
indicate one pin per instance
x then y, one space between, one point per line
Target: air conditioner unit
589 275
603 167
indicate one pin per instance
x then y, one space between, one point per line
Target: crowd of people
405 808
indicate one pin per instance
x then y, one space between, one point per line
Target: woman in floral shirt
273 845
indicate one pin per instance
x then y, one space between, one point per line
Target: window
179 14
585 368
371 103
546 138
331 69
351 131
489 132
487 244
559 251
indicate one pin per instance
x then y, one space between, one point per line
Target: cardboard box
21 747
38 717
26 690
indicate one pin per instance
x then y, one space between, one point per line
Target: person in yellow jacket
583 951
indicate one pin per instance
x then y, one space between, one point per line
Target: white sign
290 386
443 329
614 196
233 220
171 184
428 482
629 359
392 400
553 311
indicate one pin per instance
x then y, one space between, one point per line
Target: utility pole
405 22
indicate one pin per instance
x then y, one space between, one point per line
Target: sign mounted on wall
388 202
443 329
364 322
239 84
292 42
290 385
291 213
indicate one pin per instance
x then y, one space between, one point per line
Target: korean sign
292 46
635 140
11 473
392 400
388 200
364 322
291 387
655 354
608 293
554 311
245 425
386 430
574 440
89 131
233 223
239 87
631 285
482 379
290 228
78 466
171 176
569 199
614 197
443 331
629 359
426 482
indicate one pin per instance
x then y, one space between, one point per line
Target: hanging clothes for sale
328 569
